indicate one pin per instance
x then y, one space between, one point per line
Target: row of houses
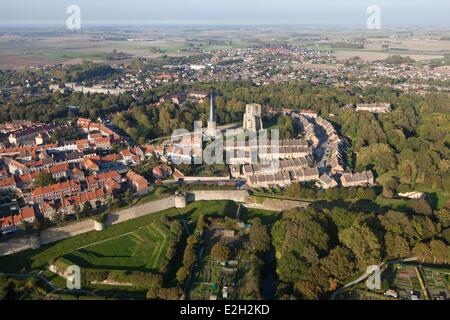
374 107
308 129
11 222
31 135
365 178
333 149
282 179
91 126
97 189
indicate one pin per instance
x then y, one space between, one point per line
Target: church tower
212 124
253 117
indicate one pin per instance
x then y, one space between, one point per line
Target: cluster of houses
98 88
357 179
30 135
79 175
301 165
242 153
374 107
83 174
333 147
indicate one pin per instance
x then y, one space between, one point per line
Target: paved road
51 235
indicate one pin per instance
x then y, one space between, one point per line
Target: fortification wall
211 195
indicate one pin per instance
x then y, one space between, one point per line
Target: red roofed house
16 167
102 143
89 164
161 172
138 183
27 180
10 223
94 197
127 157
8 183
102 179
149 149
48 209
59 171
83 123
77 174
55 191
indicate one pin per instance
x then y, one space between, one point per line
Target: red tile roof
7 182
57 187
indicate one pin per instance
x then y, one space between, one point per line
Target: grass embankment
33 261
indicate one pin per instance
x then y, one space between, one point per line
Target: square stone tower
253 117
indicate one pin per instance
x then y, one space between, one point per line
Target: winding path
366 275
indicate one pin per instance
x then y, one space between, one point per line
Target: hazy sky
323 12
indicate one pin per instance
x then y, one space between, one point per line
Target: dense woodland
318 251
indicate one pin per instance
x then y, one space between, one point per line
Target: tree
363 242
388 193
307 289
291 266
425 227
164 293
313 284
422 251
287 127
87 208
201 224
77 212
439 251
220 252
396 246
259 236
398 223
420 206
381 156
26 226
339 264
182 274
443 216
44 179
298 229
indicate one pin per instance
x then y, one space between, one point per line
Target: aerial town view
155 150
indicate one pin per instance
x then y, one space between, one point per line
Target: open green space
142 250
33 261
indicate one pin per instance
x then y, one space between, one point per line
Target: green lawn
438 198
32 261
267 217
142 250
395 204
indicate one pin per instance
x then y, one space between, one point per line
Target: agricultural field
427 283
141 250
437 282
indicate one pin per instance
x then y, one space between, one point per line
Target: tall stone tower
212 124
253 117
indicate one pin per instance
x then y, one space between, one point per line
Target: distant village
262 66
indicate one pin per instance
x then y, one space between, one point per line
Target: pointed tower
212 125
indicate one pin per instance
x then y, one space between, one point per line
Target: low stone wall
275 204
216 195
206 179
51 235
